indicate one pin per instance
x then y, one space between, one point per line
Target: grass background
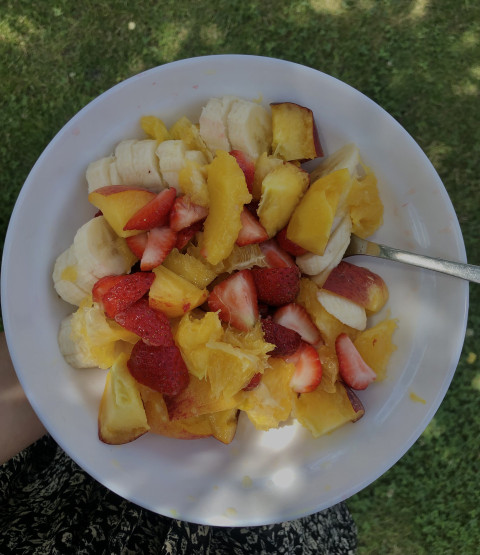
420 60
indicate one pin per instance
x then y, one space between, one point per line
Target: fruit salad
210 280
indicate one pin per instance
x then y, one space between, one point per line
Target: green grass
417 59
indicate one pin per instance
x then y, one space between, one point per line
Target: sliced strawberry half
295 317
161 368
187 233
289 246
236 300
184 213
252 230
151 325
354 371
275 256
286 341
308 369
276 286
247 165
154 213
137 243
116 293
160 242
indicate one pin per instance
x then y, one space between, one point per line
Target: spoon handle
457 269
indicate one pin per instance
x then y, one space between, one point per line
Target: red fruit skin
155 213
151 325
160 242
236 300
137 244
184 213
276 286
286 341
254 382
353 370
295 317
123 291
275 256
160 368
289 246
247 165
252 231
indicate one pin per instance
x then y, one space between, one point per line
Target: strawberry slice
286 341
160 242
137 243
252 230
184 213
236 299
275 256
295 317
308 369
116 293
151 325
154 213
276 286
161 368
354 371
187 233
247 165
289 246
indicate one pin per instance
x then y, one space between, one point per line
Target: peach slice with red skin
119 203
358 284
295 135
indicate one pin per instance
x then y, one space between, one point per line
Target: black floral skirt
49 505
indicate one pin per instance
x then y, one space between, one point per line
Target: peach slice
119 203
295 135
121 416
173 294
348 312
358 284
282 189
311 223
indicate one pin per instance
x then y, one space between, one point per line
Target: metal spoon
457 269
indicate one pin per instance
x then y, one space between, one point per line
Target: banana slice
171 158
76 353
98 173
312 264
249 128
214 125
65 276
99 252
124 161
145 165
348 156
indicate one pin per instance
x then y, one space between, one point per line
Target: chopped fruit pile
211 279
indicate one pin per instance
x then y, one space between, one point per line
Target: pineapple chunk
282 189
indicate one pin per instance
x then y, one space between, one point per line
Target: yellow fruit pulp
183 129
376 346
271 402
121 416
193 269
322 412
366 207
228 193
312 219
263 166
155 128
293 131
173 294
282 189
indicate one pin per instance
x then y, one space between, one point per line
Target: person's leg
19 425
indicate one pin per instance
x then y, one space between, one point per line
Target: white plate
260 477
